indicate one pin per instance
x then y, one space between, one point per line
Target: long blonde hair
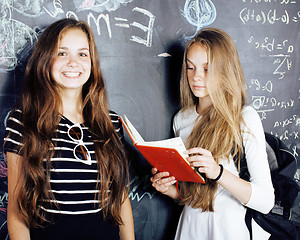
218 129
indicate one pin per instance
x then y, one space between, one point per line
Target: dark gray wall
140 44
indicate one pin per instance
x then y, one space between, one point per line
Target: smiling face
197 70
72 65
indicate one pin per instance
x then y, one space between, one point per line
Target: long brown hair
41 103
218 129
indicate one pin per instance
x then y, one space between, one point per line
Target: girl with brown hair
67 170
217 126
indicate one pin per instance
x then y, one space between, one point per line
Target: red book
166 155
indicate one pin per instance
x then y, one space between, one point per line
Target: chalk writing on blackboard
266 104
282 59
294 152
270 44
270 17
268 87
294 135
283 62
15 34
57 9
271 1
286 122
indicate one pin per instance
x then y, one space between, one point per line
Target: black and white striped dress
73 182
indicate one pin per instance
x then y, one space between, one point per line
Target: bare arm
238 187
17 228
203 159
127 228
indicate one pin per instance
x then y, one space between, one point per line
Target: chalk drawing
199 13
3 225
14 34
3 169
99 5
55 8
3 201
88 3
140 188
3 229
28 8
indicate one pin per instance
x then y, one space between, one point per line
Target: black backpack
283 166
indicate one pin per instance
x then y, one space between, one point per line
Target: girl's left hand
204 161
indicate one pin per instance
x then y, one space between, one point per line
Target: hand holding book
166 155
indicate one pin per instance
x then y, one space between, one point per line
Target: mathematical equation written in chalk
269 16
268 87
58 9
264 104
270 103
280 52
288 121
288 129
288 135
282 2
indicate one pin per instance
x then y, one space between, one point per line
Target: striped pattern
73 183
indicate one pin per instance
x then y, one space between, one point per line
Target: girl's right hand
162 181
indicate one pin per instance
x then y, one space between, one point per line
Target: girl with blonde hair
67 170
217 127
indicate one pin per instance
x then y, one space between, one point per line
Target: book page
175 143
137 138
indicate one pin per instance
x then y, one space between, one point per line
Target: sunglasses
80 151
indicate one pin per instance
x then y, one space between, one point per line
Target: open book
166 155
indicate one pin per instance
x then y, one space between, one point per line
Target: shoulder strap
244 174
248 221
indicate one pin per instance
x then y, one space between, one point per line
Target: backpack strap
245 175
248 221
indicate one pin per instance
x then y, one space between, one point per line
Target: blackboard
141 45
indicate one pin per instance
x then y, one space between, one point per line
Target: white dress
227 221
